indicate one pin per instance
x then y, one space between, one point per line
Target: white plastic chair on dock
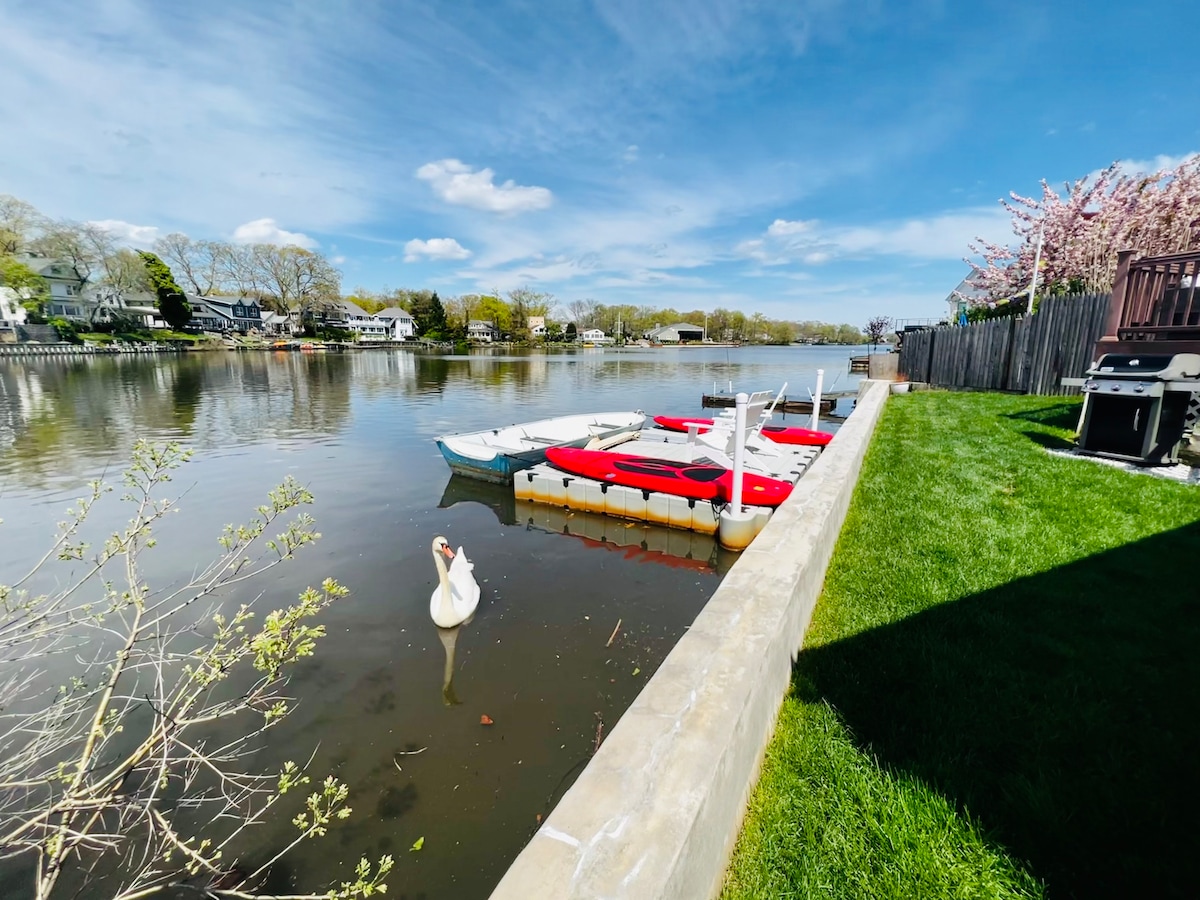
718 443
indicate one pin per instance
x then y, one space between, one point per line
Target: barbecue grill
1140 408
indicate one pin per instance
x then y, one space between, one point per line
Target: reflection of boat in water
494 454
638 541
498 498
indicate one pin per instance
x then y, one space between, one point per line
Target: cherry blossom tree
1082 230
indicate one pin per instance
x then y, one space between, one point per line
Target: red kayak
700 482
780 434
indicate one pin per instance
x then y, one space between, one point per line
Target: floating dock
544 484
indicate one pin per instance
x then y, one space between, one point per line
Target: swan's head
441 545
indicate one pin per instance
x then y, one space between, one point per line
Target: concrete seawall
658 809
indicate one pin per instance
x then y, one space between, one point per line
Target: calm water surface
358 429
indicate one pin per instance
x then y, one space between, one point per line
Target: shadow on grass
1061 415
1059 710
1049 441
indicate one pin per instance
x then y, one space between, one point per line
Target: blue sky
807 159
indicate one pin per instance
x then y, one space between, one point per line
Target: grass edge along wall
996 695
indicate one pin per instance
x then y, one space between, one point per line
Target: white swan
454 599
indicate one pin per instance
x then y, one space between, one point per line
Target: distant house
399 323
537 326
960 300
276 323
594 336
12 313
676 334
478 330
365 326
225 314
71 297
141 306
66 287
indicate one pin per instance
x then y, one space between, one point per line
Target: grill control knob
1116 387
1139 389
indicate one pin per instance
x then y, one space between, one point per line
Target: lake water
358 429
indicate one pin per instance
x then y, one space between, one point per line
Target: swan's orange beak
448 552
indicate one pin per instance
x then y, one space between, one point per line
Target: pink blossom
1083 229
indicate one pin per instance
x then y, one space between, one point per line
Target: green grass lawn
998 694
160 335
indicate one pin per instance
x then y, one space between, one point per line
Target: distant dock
784 404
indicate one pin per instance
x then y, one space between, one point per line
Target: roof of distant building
968 291
394 312
677 326
43 264
222 304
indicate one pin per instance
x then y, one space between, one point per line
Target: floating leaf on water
485 719
417 844
636 671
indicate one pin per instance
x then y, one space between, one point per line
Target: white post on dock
816 413
739 449
736 525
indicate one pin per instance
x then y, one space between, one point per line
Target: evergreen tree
429 316
172 303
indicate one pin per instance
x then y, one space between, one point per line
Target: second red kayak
699 482
780 434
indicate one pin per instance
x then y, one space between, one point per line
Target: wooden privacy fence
1027 355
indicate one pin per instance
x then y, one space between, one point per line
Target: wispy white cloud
267 231
1159 163
238 125
434 248
630 154
128 233
940 237
460 184
783 228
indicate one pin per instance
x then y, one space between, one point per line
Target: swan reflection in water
449 638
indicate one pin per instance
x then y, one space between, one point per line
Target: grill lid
1163 367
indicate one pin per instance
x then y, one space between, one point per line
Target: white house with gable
478 330
399 323
365 326
594 336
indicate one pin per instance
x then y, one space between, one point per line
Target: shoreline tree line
291 279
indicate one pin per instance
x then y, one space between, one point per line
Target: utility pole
1037 262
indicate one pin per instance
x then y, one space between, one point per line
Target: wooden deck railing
1156 298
